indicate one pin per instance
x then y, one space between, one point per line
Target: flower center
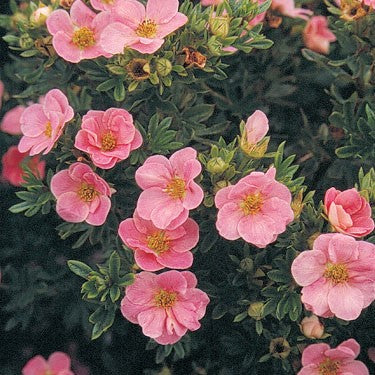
252 204
48 372
87 192
83 37
48 131
338 273
159 242
176 188
165 299
108 142
107 1
147 29
329 367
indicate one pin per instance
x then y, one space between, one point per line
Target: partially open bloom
288 8
12 162
40 15
337 276
156 248
76 36
311 327
11 122
103 4
348 212
257 209
166 306
169 188
58 363
317 36
140 28
108 137
321 359
42 124
81 195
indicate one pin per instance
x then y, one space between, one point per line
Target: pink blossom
81 195
311 327
370 3
11 122
58 364
321 359
76 36
348 212
42 124
140 28
256 127
288 8
317 36
12 162
103 4
1 92
337 276
169 188
211 2
166 305
156 248
257 209
108 137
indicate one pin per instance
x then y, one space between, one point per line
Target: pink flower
348 212
11 122
156 248
140 28
12 162
311 327
370 3
166 306
58 364
256 127
317 36
338 276
103 4
321 359
81 195
42 124
288 8
169 188
108 136
76 36
257 209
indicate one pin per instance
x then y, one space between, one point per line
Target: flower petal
172 25
308 267
116 36
70 208
161 11
59 20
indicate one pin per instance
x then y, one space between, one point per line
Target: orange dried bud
194 58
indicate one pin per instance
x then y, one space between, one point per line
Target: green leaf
240 317
79 268
107 85
114 266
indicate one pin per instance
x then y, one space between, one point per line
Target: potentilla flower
103 4
166 306
348 212
81 195
169 188
320 359
317 36
108 137
337 276
76 36
288 8
58 364
257 209
42 124
156 248
11 122
140 28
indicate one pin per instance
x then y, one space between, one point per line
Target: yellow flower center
147 29
159 242
165 299
107 1
252 204
48 131
83 38
48 372
108 142
338 273
176 188
329 367
87 192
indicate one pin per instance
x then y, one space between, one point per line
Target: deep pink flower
11 166
317 36
81 195
58 364
103 4
140 28
156 248
166 306
348 212
169 188
338 276
318 359
257 209
76 36
288 8
42 124
11 122
108 137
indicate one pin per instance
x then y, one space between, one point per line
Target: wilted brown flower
138 69
194 58
279 348
44 46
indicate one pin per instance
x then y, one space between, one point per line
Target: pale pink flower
348 212
317 36
58 364
156 248
12 162
81 195
288 8
11 122
103 4
211 2
320 359
42 124
257 209
370 3
311 327
337 276
76 36
2 88
256 127
140 28
108 137
166 305
169 188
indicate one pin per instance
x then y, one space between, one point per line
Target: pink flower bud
311 327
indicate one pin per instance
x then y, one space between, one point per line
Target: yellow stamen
329 367
83 38
252 204
338 273
147 29
159 242
48 131
165 299
176 188
108 142
87 192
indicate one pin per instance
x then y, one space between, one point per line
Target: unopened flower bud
66 3
220 184
163 67
255 310
217 165
311 327
219 25
26 41
297 205
39 16
247 264
279 348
